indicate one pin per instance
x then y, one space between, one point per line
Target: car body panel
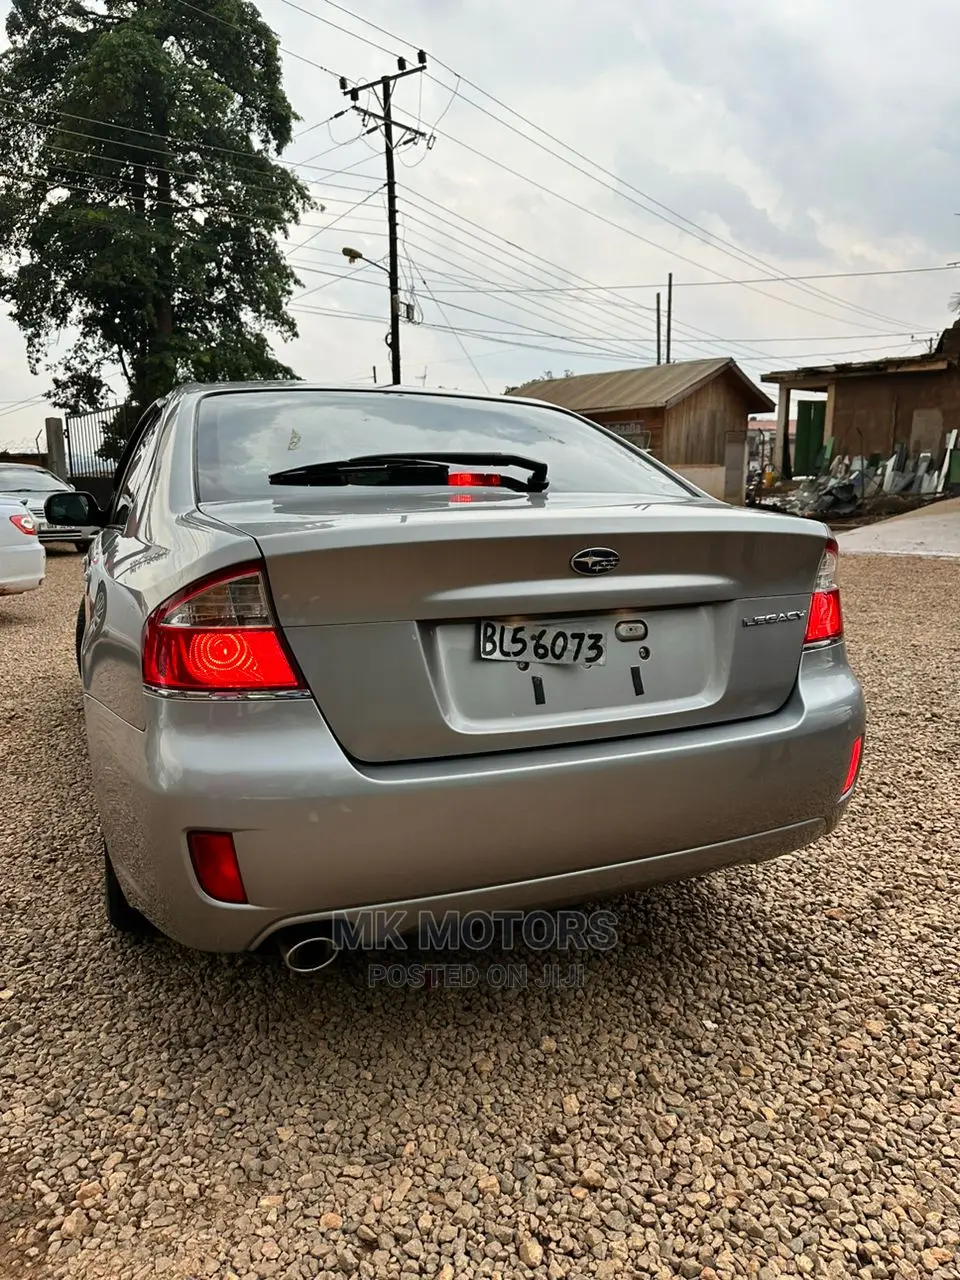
22 558
316 833
410 774
380 611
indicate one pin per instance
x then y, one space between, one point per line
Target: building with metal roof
692 415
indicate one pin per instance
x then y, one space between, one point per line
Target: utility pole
408 133
669 313
658 328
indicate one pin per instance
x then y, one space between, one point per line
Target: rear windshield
244 436
18 478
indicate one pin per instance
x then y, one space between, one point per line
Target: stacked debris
851 487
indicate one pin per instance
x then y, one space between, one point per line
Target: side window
130 472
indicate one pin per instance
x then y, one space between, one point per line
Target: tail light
825 619
218 637
26 524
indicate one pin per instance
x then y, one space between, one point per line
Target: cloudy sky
723 140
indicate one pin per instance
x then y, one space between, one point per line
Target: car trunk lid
409 620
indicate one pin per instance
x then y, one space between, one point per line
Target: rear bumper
317 834
54 533
21 568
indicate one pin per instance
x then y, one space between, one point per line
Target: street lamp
354 255
393 341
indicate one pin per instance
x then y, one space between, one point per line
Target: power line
506 340
30 403
635 235
692 228
126 162
672 217
727 344
391 53
294 248
584 345
722 280
593 288
320 123
703 284
334 221
522 177
225 22
169 140
620 307
539 313
459 339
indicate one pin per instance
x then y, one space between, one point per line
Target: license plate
543 643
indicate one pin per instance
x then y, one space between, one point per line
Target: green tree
140 200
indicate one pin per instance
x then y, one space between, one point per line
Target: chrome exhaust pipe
306 953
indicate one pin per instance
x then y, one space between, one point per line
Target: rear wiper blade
412 469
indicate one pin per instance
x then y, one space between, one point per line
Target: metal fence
86 435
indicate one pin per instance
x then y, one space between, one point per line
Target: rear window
244 436
15 478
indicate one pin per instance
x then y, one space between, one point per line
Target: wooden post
831 409
735 468
783 429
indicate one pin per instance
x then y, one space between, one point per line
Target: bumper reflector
215 864
853 769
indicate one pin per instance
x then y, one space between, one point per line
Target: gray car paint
406 781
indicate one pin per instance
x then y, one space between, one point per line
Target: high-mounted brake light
474 479
825 618
26 524
218 636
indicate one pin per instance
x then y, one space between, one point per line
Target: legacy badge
769 619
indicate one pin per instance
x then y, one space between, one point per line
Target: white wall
710 479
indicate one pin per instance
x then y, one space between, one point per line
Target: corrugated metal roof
926 363
657 386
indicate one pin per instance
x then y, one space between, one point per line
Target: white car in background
32 485
23 561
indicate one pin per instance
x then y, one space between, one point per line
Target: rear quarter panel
164 544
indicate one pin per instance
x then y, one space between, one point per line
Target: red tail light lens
853 769
215 865
26 524
474 479
825 617
218 636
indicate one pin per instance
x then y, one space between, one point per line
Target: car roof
203 390
215 388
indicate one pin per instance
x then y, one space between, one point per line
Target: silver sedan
32 485
358 653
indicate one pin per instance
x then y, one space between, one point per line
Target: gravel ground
762 1079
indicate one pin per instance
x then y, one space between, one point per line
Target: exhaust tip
309 955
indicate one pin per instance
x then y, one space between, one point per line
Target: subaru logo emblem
594 560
